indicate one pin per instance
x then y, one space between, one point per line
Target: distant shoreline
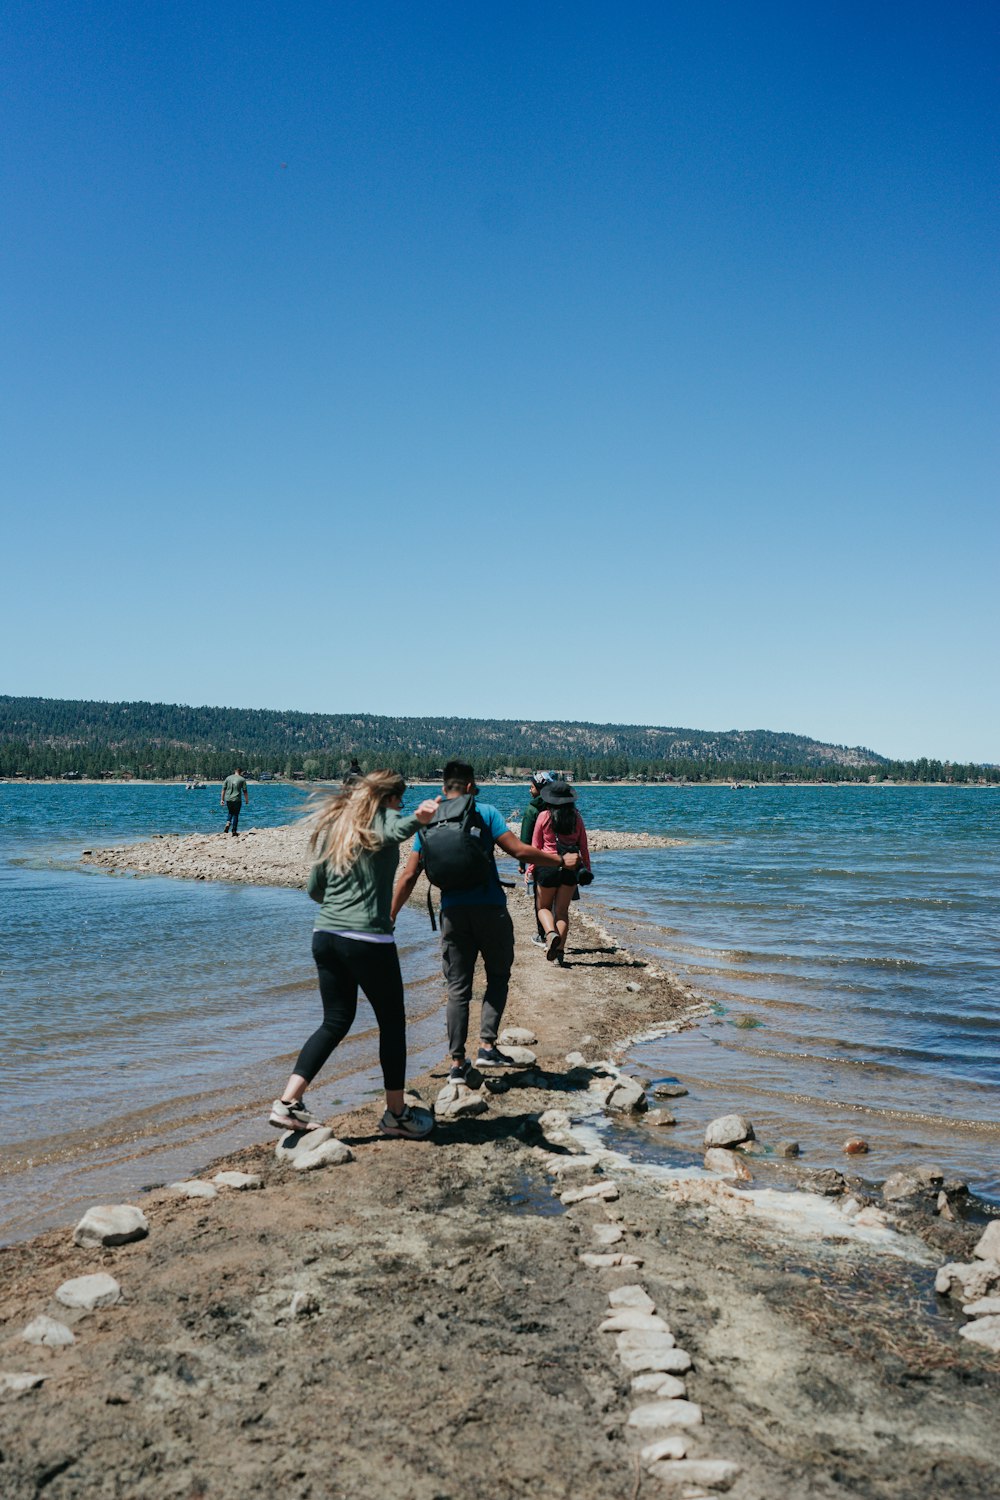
681 786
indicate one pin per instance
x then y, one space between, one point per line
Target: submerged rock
660 1117
729 1130
669 1091
787 1149
626 1097
856 1146
111 1224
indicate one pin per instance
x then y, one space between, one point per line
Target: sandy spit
446 1342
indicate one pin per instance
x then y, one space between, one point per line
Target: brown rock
856 1146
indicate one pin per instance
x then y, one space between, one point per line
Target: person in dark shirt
234 795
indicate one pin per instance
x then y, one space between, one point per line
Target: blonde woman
356 836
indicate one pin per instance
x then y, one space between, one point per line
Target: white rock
656 1383
88 1292
16 1381
660 1117
871 1217
727 1164
302 1304
670 1361
674 1446
195 1188
632 1317
327 1154
645 1338
631 1296
625 1096
523 1056
575 1060
111 1224
971 1280
984 1308
666 1414
606 1191
553 1119
729 1130
518 1036
292 1141
569 1166
457 1101
242 1182
48 1332
716 1473
987 1247
985 1331
900 1185
603 1259
608 1234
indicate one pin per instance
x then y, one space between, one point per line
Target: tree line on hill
45 737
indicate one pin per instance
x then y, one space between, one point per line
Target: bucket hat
557 794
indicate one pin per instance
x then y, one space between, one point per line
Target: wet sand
447 1344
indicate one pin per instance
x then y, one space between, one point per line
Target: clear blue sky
627 362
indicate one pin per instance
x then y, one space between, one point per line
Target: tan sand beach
418 1322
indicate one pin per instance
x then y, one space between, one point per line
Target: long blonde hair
342 821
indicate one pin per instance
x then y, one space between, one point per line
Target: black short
552 878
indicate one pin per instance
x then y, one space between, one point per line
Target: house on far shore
72 776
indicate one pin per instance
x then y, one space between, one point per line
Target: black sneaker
459 1072
492 1057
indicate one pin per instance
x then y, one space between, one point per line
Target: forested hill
50 736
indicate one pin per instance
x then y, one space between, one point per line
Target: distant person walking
357 834
234 795
475 921
559 829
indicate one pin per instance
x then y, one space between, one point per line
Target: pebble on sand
653 1414
89 1292
631 1296
608 1191
670 1361
674 1446
18 1381
727 1164
729 1130
193 1188
716 1473
111 1224
624 1318
985 1331
603 1261
656 1383
48 1332
608 1234
241 1182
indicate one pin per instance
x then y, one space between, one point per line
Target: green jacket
360 900
529 820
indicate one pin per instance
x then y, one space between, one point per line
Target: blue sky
631 363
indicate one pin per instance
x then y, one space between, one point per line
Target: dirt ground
448 1346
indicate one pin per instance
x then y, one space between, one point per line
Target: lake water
847 937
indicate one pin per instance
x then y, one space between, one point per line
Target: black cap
557 793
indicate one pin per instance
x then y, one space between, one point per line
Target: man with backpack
455 851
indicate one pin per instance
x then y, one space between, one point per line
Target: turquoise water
846 937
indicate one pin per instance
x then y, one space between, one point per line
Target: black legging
344 964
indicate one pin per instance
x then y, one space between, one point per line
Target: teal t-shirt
490 893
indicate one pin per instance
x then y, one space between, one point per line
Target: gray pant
467 932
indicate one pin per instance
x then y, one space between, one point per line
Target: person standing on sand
559 829
357 833
528 821
234 795
475 923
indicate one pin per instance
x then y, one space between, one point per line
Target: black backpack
456 848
